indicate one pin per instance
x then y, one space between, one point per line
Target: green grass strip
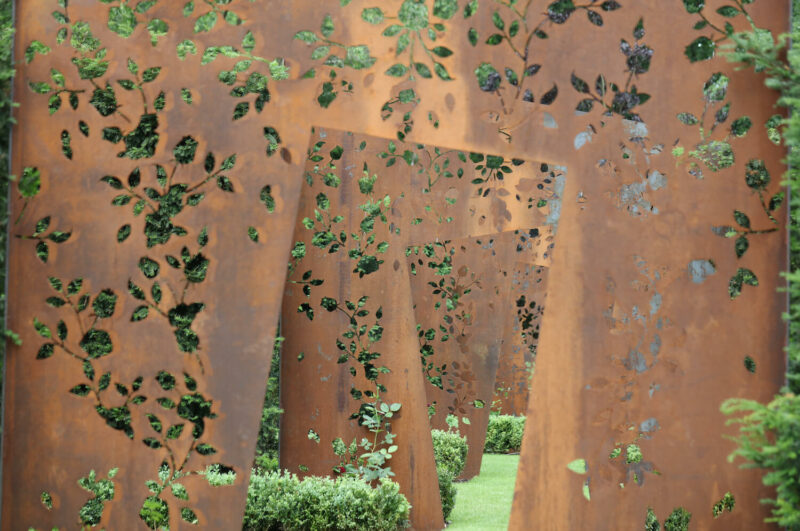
484 502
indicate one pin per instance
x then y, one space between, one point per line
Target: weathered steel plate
517 361
629 213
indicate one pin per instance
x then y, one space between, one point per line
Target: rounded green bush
447 491
449 451
281 501
504 434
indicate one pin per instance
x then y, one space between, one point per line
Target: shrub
266 463
769 438
6 80
269 430
769 435
279 500
504 434
450 451
447 491
678 520
450 454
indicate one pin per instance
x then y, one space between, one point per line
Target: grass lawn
484 502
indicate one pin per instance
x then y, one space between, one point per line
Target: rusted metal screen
146 310
385 259
517 361
650 311
460 295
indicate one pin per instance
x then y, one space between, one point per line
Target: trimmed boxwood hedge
504 434
281 501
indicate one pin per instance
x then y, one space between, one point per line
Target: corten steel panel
615 218
458 317
517 359
316 382
641 341
53 437
310 354
469 297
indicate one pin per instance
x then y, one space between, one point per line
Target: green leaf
35 47
327 26
441 71
741 126
741 245
41 328
123 233
40 87
45 351
205 22
494 39
104 304
373 15
445 9
122 20
186 47
249 41
739 280
233 19
728 11
423 70
578 466
472 36
688 118
498 21
357 57
700 49
140 313
151 74
392 30
397 70
306 36
157 28
81 390
470 8
694 6
29 183
488 78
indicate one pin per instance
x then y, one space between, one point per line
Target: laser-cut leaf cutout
30 182
122 20
742 277
185 150
55 302
36 48
104 304
45 351
88 369
123 233
96 343
148 267
152 442
701 49
81 390
104 382
61 331
175 431
205 22
140 313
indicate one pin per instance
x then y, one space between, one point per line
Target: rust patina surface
649 310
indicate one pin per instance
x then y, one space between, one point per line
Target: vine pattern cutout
356 345
164 396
